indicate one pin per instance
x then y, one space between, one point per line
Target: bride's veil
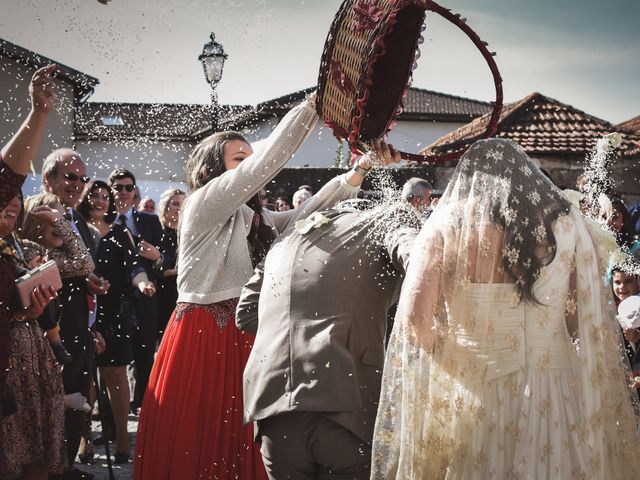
494 234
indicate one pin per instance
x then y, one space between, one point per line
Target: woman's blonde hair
31 228
163 204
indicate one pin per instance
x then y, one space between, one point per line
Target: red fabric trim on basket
361 103
338 131
341 79
367 16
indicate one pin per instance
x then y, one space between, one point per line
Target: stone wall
625 174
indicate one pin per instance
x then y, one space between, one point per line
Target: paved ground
99 467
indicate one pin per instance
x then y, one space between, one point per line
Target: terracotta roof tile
420 104
193 122
543 126
632 125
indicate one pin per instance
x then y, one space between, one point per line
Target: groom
312 381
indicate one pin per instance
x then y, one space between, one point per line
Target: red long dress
191 420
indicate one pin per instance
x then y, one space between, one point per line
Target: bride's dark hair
523 203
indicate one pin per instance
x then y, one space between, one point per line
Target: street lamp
212 58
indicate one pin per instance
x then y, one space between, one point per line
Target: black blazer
85 234
149 230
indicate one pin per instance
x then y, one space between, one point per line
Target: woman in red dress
191 419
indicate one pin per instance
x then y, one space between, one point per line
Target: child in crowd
625 286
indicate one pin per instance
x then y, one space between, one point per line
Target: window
112 120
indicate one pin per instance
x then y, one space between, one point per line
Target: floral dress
34 433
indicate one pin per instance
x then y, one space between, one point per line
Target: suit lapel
83 229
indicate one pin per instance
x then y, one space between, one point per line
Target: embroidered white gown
514 389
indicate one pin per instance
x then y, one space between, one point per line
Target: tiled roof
193 122
543 126
420 104
83 82
632 125
440 106
150 120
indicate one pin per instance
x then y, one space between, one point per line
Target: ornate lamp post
212 58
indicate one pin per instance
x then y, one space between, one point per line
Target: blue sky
585 53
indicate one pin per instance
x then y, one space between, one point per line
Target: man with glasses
64 175
147 232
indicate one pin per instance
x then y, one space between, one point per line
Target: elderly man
312 381
64 175
301 195
417 191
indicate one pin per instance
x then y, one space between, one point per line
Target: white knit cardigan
214 261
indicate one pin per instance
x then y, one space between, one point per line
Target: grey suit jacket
319 305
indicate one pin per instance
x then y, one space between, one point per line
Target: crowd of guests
122 302
113 261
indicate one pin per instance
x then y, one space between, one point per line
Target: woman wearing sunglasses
118 262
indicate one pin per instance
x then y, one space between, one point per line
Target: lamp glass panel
213 68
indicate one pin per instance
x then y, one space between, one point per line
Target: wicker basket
365 72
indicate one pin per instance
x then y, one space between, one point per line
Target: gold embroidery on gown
489 385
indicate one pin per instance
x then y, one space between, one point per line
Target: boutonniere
315 220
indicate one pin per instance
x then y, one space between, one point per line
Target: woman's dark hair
625 236
526 274
261 235
520 188
85 207
20 219
206 161
284 199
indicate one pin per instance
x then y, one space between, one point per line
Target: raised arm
215 202
421 289
340 188
21 150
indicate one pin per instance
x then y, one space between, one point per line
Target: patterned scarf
10 246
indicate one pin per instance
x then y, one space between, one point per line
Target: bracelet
363 172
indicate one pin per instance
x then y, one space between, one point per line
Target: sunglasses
72 177
118 187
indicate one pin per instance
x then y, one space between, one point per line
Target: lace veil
505 358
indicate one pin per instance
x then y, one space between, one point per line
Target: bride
505 358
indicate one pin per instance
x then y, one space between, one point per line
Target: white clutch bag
46 274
